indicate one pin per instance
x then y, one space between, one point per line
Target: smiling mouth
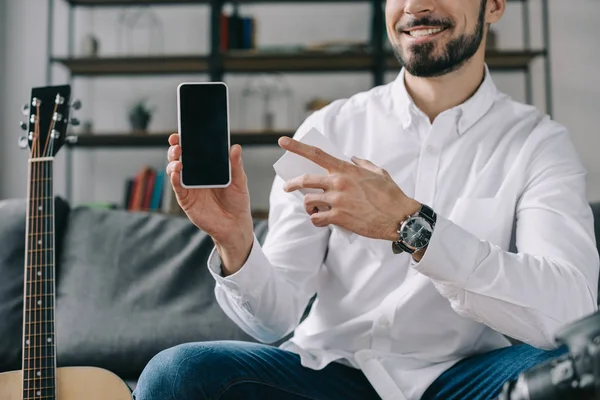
424 32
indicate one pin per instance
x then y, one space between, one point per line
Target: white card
291 165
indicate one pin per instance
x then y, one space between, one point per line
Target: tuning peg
25 109
74 122
23 125
23 142
71 139
76 104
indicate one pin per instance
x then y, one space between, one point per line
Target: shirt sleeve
268 295
552 280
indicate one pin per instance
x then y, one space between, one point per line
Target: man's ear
494 10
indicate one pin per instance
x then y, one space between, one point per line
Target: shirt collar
467 113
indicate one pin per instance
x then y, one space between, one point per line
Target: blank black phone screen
204 134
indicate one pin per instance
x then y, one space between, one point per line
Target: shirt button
430 149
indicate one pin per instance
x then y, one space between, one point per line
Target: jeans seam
234 382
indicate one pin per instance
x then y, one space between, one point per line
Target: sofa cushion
12 267
131 285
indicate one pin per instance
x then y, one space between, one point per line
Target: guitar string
51 379
39 207
39 260
39 203
33 257
36 255
27 315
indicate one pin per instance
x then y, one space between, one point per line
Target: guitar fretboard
39 357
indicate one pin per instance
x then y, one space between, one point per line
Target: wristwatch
415 232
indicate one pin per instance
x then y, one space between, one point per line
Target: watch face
416 232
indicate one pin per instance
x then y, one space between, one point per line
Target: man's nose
417 8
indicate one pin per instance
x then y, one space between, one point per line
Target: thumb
238 175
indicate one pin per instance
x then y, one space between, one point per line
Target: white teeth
424 32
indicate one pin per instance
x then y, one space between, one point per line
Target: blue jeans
229 370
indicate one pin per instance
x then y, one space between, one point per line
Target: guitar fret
43 394
51 387
42 309
38 311
48 387
37 393
29 361
40 334
48 360
41 159
31 267
41 180
41 357
39 369
37 378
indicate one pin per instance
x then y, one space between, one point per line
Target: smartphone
204 136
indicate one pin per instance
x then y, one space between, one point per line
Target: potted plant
139 116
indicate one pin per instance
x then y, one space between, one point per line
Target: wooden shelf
252 62
115 3
135 65
160 140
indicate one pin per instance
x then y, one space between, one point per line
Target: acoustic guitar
48 113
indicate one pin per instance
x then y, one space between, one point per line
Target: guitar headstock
48 113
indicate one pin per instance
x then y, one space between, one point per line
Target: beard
457 52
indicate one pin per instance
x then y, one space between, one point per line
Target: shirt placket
429 158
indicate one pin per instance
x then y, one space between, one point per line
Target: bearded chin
458 51
423 63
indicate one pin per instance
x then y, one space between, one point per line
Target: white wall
100 174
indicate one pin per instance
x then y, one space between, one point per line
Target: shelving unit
252 62
376 60
159 140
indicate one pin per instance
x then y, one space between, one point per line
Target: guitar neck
39 356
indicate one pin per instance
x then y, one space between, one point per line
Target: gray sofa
128 285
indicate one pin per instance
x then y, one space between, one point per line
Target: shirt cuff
249 279
451 254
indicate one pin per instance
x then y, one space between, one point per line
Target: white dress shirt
500 176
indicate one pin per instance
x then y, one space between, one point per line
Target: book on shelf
237 32
150 190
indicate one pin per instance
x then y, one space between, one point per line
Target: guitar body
72 383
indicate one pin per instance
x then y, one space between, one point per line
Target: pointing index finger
312 153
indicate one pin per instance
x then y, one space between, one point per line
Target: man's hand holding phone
223 213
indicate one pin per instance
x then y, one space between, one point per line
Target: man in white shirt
472 225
